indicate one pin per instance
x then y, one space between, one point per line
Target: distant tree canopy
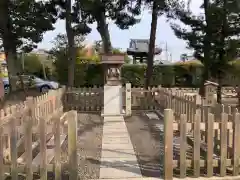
33 65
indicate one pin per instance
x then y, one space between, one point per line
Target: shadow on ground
90 127
129 166
146 144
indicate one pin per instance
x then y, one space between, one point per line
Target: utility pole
166 49
44 71
168 54
22 59
170 57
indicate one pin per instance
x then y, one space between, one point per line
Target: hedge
167 75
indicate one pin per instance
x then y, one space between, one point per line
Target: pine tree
22 24
213 36
122 12
88 11
159 7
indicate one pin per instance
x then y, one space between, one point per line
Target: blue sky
121 38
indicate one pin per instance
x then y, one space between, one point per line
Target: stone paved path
118 158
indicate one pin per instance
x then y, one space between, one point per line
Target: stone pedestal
112 100
113 87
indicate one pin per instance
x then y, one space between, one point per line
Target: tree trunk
151 48
71 45
206 49
8 44
44 70
102 28
219 88
237 90
205 77
222 53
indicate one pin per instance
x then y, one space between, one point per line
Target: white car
33 82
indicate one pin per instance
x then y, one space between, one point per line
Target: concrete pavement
118 160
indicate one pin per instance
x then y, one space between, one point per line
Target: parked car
2 90
31 81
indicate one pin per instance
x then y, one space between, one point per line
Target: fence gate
84 99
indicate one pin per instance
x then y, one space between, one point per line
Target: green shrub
166 75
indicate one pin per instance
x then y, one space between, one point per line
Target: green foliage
60 7
133 74
30 19
117 51
92 74
33 65
121 12
220 33
98 49
87 71
234 69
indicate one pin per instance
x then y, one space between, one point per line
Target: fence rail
84 99
183 103
213 161
208 136
92 99
179 99
31 137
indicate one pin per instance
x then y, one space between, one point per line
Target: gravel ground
146 143
90 145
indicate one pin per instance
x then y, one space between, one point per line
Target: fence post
13 144
183 145
210 136
188 107
128 100
194 107
57 157
72 145
1 154
181 98
168 144
28 137
43 163
236 140
223 144
196 145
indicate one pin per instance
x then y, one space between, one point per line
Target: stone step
121 172
118 158
113 163
115 134
112 129
113 119
117 146
118 153
119 140
114 123
136 178
108 130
